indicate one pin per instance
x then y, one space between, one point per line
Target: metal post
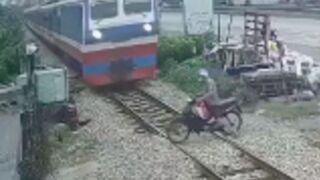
219 28
267 36
28 119
30 89
229 27
31 51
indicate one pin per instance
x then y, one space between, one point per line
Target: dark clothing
211 96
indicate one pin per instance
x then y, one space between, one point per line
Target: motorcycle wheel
177 132
234 120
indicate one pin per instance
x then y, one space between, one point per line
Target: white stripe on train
49 35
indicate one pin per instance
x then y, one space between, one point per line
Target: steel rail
257 161
205 170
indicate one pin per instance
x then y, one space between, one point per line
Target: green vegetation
290 111
179 66
68 149
185 77
178 48
179 63
11 42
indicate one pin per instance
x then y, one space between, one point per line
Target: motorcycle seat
225 102
217 109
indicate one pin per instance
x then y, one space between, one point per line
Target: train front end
120 41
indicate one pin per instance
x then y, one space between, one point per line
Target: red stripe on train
97 80
149 71
118 53
108 54
105 79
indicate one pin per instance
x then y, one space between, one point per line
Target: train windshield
101 9
137 6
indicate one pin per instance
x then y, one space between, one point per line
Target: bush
3 73
11 42
167 66
185 76
199 44
178 48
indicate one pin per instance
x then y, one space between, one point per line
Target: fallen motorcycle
226 112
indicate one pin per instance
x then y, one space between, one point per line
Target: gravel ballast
283 147
123 154
220 157
119 152
277 144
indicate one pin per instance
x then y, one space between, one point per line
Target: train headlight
97 34
147 27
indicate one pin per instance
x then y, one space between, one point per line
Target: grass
71 150
291 111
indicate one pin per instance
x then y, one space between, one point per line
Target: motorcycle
227 114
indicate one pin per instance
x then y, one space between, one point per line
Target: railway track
153 115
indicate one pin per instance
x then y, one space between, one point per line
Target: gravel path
123 154
279 145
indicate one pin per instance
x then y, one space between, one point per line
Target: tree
11 42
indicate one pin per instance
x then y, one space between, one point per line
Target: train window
137 6
101 9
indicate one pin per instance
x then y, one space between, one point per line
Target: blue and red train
104 41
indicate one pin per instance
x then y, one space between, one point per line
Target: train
103 41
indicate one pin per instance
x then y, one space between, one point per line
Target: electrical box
21 81
51 85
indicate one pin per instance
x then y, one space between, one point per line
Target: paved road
10 139
284 10
302 34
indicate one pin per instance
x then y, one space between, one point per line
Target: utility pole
31 51
28 119
219 28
